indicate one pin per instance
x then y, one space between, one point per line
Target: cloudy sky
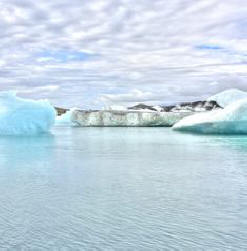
91 53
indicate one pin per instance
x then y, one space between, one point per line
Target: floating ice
24 116
228 97
230 120
126 118
65 119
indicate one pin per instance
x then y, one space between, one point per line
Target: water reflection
19 150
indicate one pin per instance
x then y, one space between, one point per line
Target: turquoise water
123 189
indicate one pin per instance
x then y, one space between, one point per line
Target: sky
95 53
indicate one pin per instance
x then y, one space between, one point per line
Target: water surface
123 189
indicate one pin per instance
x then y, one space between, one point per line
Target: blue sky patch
209 47
65 56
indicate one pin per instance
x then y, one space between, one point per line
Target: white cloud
46 89
165 49
128 98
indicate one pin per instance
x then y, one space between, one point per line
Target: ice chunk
230 120
228 97
24 116
65 119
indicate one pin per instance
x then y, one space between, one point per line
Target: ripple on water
123 189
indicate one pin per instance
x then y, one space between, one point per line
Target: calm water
123 189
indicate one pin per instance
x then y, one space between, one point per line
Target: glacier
228 97
126 118
230 120
19 116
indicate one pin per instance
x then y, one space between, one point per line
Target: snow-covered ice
20 116
228 97
126 118
230 120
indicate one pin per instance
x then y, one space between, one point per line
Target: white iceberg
20 116
230 120
126 118
228 97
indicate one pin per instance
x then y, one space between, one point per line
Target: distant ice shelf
138 115
126 118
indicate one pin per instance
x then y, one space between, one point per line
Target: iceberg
65 119
126 118
19 116
230 120
228 97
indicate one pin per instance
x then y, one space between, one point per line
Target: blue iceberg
230 120
20 116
